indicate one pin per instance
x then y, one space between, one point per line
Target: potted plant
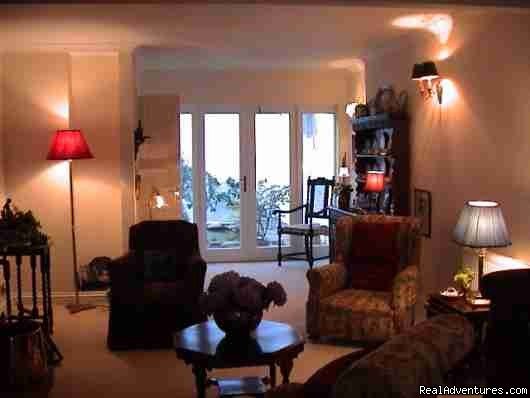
463 278
237 302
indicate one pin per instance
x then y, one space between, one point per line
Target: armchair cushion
375 256
361 314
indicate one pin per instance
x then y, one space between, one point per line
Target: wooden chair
319 194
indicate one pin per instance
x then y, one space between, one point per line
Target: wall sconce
424 73
350 109
344 170
157 200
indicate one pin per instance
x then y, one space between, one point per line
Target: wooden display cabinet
381 143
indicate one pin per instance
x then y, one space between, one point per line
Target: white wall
56 90
477 145
276 88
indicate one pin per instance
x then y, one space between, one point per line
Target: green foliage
269 198
22 228
214 194
464 276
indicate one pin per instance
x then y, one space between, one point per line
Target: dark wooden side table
478 315
13 271
205 347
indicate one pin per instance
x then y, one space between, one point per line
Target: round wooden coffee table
205 347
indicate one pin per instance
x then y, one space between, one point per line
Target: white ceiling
171 36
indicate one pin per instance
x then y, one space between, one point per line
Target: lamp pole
74 242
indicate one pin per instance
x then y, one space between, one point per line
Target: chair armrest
290 210
196 273
405 288
327 280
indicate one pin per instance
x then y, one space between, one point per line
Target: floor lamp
70 145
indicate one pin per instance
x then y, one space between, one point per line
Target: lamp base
74 308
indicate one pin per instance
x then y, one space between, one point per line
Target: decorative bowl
237 323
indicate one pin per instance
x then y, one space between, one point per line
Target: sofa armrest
291 390
421 356
327 280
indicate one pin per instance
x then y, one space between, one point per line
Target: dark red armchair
155 287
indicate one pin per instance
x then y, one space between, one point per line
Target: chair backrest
319 195
161 249
410 238
507 342
177 235
508 292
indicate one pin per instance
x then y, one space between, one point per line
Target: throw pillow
375 256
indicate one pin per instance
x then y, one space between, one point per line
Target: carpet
89 370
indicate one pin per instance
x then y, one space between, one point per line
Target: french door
238 165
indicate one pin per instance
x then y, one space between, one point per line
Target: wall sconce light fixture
425 73
350 109
344 170
157 200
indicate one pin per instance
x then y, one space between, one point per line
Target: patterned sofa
335 309
428 354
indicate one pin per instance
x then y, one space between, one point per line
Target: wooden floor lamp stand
76 306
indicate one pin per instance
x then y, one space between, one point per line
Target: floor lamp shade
481 225
69 145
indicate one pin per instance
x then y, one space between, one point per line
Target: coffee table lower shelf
234 387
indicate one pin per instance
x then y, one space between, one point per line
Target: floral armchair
338 308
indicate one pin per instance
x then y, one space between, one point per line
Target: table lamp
375 183
481 226
70 145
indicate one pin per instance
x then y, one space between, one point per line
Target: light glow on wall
58 172
62 110
450 93
444 54
440 25
354 64
497 262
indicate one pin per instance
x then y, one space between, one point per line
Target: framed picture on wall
422 210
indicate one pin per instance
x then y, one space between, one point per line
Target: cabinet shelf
367 155
381 121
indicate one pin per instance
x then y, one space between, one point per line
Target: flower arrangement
463 278
20 227
231 292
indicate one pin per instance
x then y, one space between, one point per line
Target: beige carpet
89 370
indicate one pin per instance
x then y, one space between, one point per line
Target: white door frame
248 250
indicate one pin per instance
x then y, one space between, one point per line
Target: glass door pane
186 170
272 132
318 146
222 183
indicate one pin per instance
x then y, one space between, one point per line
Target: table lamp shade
68 145
375 181
481 225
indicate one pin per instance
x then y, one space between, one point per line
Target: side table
44 314
478 316
437 304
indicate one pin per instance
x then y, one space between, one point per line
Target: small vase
237 323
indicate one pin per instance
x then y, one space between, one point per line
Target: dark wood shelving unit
382 142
